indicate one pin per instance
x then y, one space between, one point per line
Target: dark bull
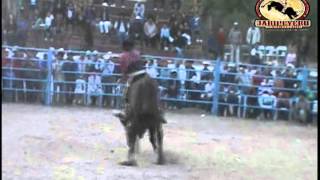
143 114
279 7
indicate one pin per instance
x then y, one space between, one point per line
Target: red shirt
127 58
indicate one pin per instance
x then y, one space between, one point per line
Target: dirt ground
81 143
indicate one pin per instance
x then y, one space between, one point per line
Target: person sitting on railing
267 101
244 80
173 90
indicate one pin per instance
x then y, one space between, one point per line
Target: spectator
283 106
195 28
191 81
176 4
291 57
22 31
302 50
30 75
7 74
158 4
163 74
206 73
267 102
69 69
94 87
70 16
233 101
244 80
48 26
301 109
152 69
33 5
10 29
122 28
221 38
89 15
235 38
253 35
255 58
58 76
173 89
138 10
252 103
18 61
105 23
80 90
165 37
43 66
136 31
180 42
107 78
207 95
150 31
88 36
110 3
213 47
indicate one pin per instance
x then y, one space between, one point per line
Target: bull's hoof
161 161
129 163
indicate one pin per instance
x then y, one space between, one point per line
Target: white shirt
267 101
94 84
253 35
80 86
152 71
208 88
48 20
108 68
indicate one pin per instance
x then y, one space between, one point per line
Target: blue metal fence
17 85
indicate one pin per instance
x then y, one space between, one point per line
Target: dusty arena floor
80 143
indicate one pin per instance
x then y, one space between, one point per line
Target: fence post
304 83
49 75
216 90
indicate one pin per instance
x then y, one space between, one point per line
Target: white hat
235 23
60 50
95 52
231 65
206 62
88 53
108 55
105 4
290 65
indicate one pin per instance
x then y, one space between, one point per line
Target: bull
142 114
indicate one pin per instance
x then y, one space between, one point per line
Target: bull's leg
161 159
152 138
131 138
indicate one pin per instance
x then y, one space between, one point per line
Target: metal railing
20 78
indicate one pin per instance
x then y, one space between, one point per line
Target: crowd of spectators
93 78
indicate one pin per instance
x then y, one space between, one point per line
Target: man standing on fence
235 38
253 35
